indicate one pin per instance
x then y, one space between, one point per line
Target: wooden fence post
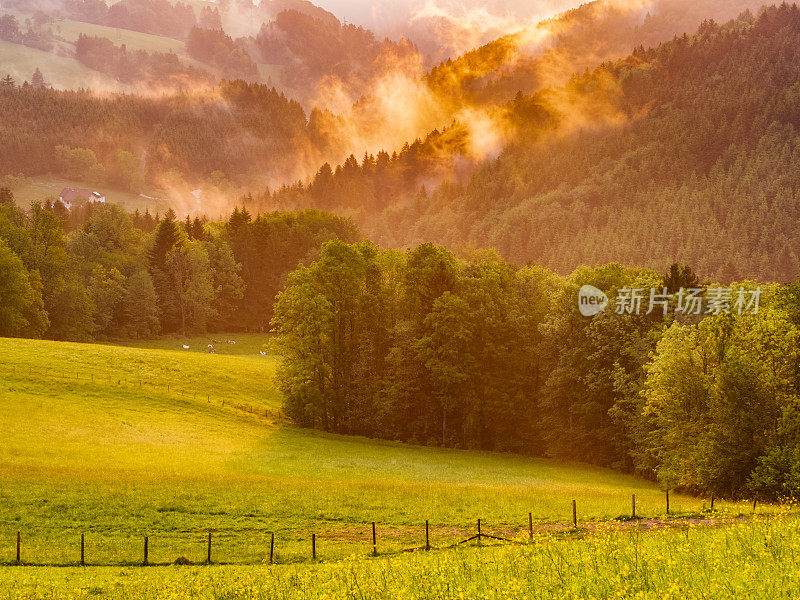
427 539
712 501
530 525
271 547
633 506
479 532
754 504
19 545
574 513
83 562
145 551
374 541
208 558
667 501
314 546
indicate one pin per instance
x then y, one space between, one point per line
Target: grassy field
28 190
69 31
59 71
133 40
755 559
120 442
247 344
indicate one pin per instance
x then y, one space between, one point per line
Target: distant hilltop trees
158 17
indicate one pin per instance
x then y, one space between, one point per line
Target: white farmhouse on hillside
73 196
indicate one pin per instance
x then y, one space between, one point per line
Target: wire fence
251 547
125 380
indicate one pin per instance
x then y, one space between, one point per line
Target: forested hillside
684 151
550 51
314 50
237 129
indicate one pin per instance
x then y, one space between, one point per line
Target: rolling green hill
69 30
59 71
134 40
120 442
250 344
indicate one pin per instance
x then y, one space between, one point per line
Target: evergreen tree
6 196
37 81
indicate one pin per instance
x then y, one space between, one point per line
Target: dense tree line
115 275
267 247
138 67
36 35
216 48
314 48
424 347
575 40
248 131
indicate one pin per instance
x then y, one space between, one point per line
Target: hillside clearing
28 190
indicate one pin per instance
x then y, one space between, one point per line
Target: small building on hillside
72 197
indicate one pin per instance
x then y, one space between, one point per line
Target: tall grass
752 559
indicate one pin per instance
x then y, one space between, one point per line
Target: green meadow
247 344
133 40
61 72
118 443
69 31
754 559
28 190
